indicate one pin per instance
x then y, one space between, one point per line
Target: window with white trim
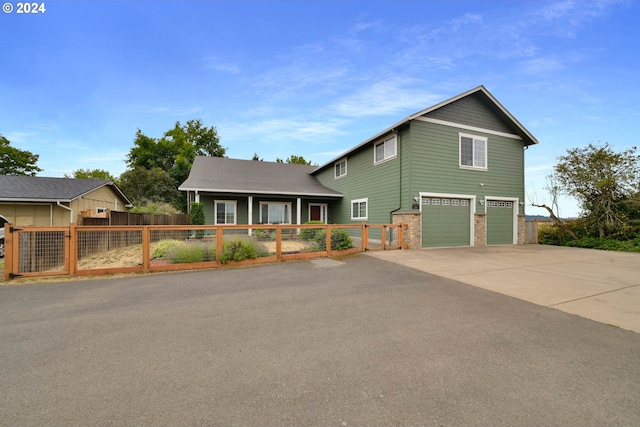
360 209
340 168
385 150
225 211
473 151
275 212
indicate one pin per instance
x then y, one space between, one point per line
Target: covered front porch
259 209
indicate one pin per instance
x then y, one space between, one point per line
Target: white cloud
390 96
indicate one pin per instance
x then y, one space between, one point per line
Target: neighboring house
40 201
454 172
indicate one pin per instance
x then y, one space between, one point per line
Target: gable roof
19 188
223 175
480 91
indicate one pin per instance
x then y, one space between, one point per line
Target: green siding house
454 172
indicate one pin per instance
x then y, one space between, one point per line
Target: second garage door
446 221
499 222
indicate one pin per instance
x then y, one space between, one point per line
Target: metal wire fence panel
108 248
182 245
41 251
240 244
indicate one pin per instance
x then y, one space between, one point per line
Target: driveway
599 285
362 342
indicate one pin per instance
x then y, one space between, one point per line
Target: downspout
399 180
70 211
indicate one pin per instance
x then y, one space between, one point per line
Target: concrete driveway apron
599 285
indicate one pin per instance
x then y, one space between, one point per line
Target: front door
318 212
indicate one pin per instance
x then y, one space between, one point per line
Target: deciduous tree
601 180
14 161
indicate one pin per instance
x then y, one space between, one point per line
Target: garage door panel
445 222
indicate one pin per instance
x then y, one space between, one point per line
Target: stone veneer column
480 229
412 234
522 234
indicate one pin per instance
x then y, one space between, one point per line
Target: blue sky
312 78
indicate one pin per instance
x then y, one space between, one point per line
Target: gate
37 251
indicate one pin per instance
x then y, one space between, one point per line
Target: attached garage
446 220
500 222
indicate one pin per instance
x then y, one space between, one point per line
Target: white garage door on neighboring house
446 221
500 222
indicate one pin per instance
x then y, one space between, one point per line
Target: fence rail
98 250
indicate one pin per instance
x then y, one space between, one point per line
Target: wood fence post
8 252
365 237
279 242
219 236
383 236
146 248
328 240
73 249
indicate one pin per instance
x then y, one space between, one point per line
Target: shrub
340 240
239 249
264 233
184 253
197 217
161 248
309 234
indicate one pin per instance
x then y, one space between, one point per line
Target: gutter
70 211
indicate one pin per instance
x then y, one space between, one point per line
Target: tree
256 157
14 161
601 180
176 150
174 153
148 186
91 174
293 159
554 189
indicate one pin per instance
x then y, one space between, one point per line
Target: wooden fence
100 250
116 218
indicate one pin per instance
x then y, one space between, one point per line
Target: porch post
197 197
299 212
250 213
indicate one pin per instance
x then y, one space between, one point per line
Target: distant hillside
538 218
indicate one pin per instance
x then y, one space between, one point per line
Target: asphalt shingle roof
217 174
36 188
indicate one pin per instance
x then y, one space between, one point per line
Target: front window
473 151
340 168
359 209
275 213
225 211
385 150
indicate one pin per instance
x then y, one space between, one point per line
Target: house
41 201
454 172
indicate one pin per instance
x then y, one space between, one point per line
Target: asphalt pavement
356 342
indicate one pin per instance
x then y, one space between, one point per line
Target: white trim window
340 168
225 211
275 212
473 151
385 150
359 209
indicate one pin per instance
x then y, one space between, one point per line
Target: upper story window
385 150
473 151
340 168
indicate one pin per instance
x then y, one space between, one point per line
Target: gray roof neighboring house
223 175
19 188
